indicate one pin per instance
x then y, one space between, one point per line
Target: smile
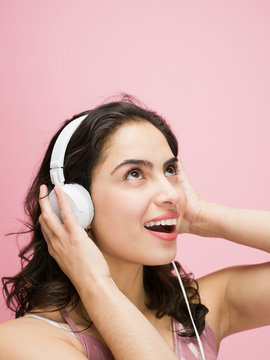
163 232
161 222
166 226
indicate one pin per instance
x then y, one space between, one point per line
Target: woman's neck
129 279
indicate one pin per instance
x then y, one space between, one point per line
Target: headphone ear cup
80 202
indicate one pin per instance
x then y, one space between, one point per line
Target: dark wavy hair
41 283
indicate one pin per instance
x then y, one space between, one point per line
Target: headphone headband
59 150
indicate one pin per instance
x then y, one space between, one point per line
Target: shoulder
212 286
212 290
28 338
239 295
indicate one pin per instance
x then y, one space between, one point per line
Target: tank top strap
69 321
81 337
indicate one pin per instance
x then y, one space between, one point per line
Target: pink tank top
185 348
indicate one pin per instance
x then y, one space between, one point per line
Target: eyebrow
144 163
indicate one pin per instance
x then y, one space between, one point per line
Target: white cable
187 303
113 282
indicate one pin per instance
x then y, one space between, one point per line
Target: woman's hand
207 219
195 204
68 243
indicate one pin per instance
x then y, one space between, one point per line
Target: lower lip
164 236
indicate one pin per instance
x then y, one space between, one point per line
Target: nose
168 193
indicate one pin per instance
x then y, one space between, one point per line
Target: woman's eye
170 171
134 175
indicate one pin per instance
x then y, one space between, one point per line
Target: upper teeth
161 222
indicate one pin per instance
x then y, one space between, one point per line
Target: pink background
204 65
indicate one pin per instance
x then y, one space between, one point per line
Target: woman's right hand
195 204
68 243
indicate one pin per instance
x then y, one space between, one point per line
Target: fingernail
42 191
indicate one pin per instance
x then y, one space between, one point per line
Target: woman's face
136 185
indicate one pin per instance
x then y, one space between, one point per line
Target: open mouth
165 226
161 228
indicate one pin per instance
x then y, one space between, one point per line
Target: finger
48 216
45 228
44 201
43 196
53 240
47 234
182 171
48 240
67 214
180 164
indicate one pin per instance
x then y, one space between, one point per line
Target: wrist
210 220
92 285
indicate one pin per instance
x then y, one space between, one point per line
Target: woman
112 285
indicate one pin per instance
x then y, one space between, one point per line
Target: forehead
137 140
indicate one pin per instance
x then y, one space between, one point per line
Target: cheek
116 211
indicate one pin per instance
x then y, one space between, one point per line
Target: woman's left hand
195 204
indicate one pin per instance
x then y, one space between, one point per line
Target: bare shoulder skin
32 339
237 298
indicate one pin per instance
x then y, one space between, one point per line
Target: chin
163 258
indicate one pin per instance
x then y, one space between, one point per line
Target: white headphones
79 198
